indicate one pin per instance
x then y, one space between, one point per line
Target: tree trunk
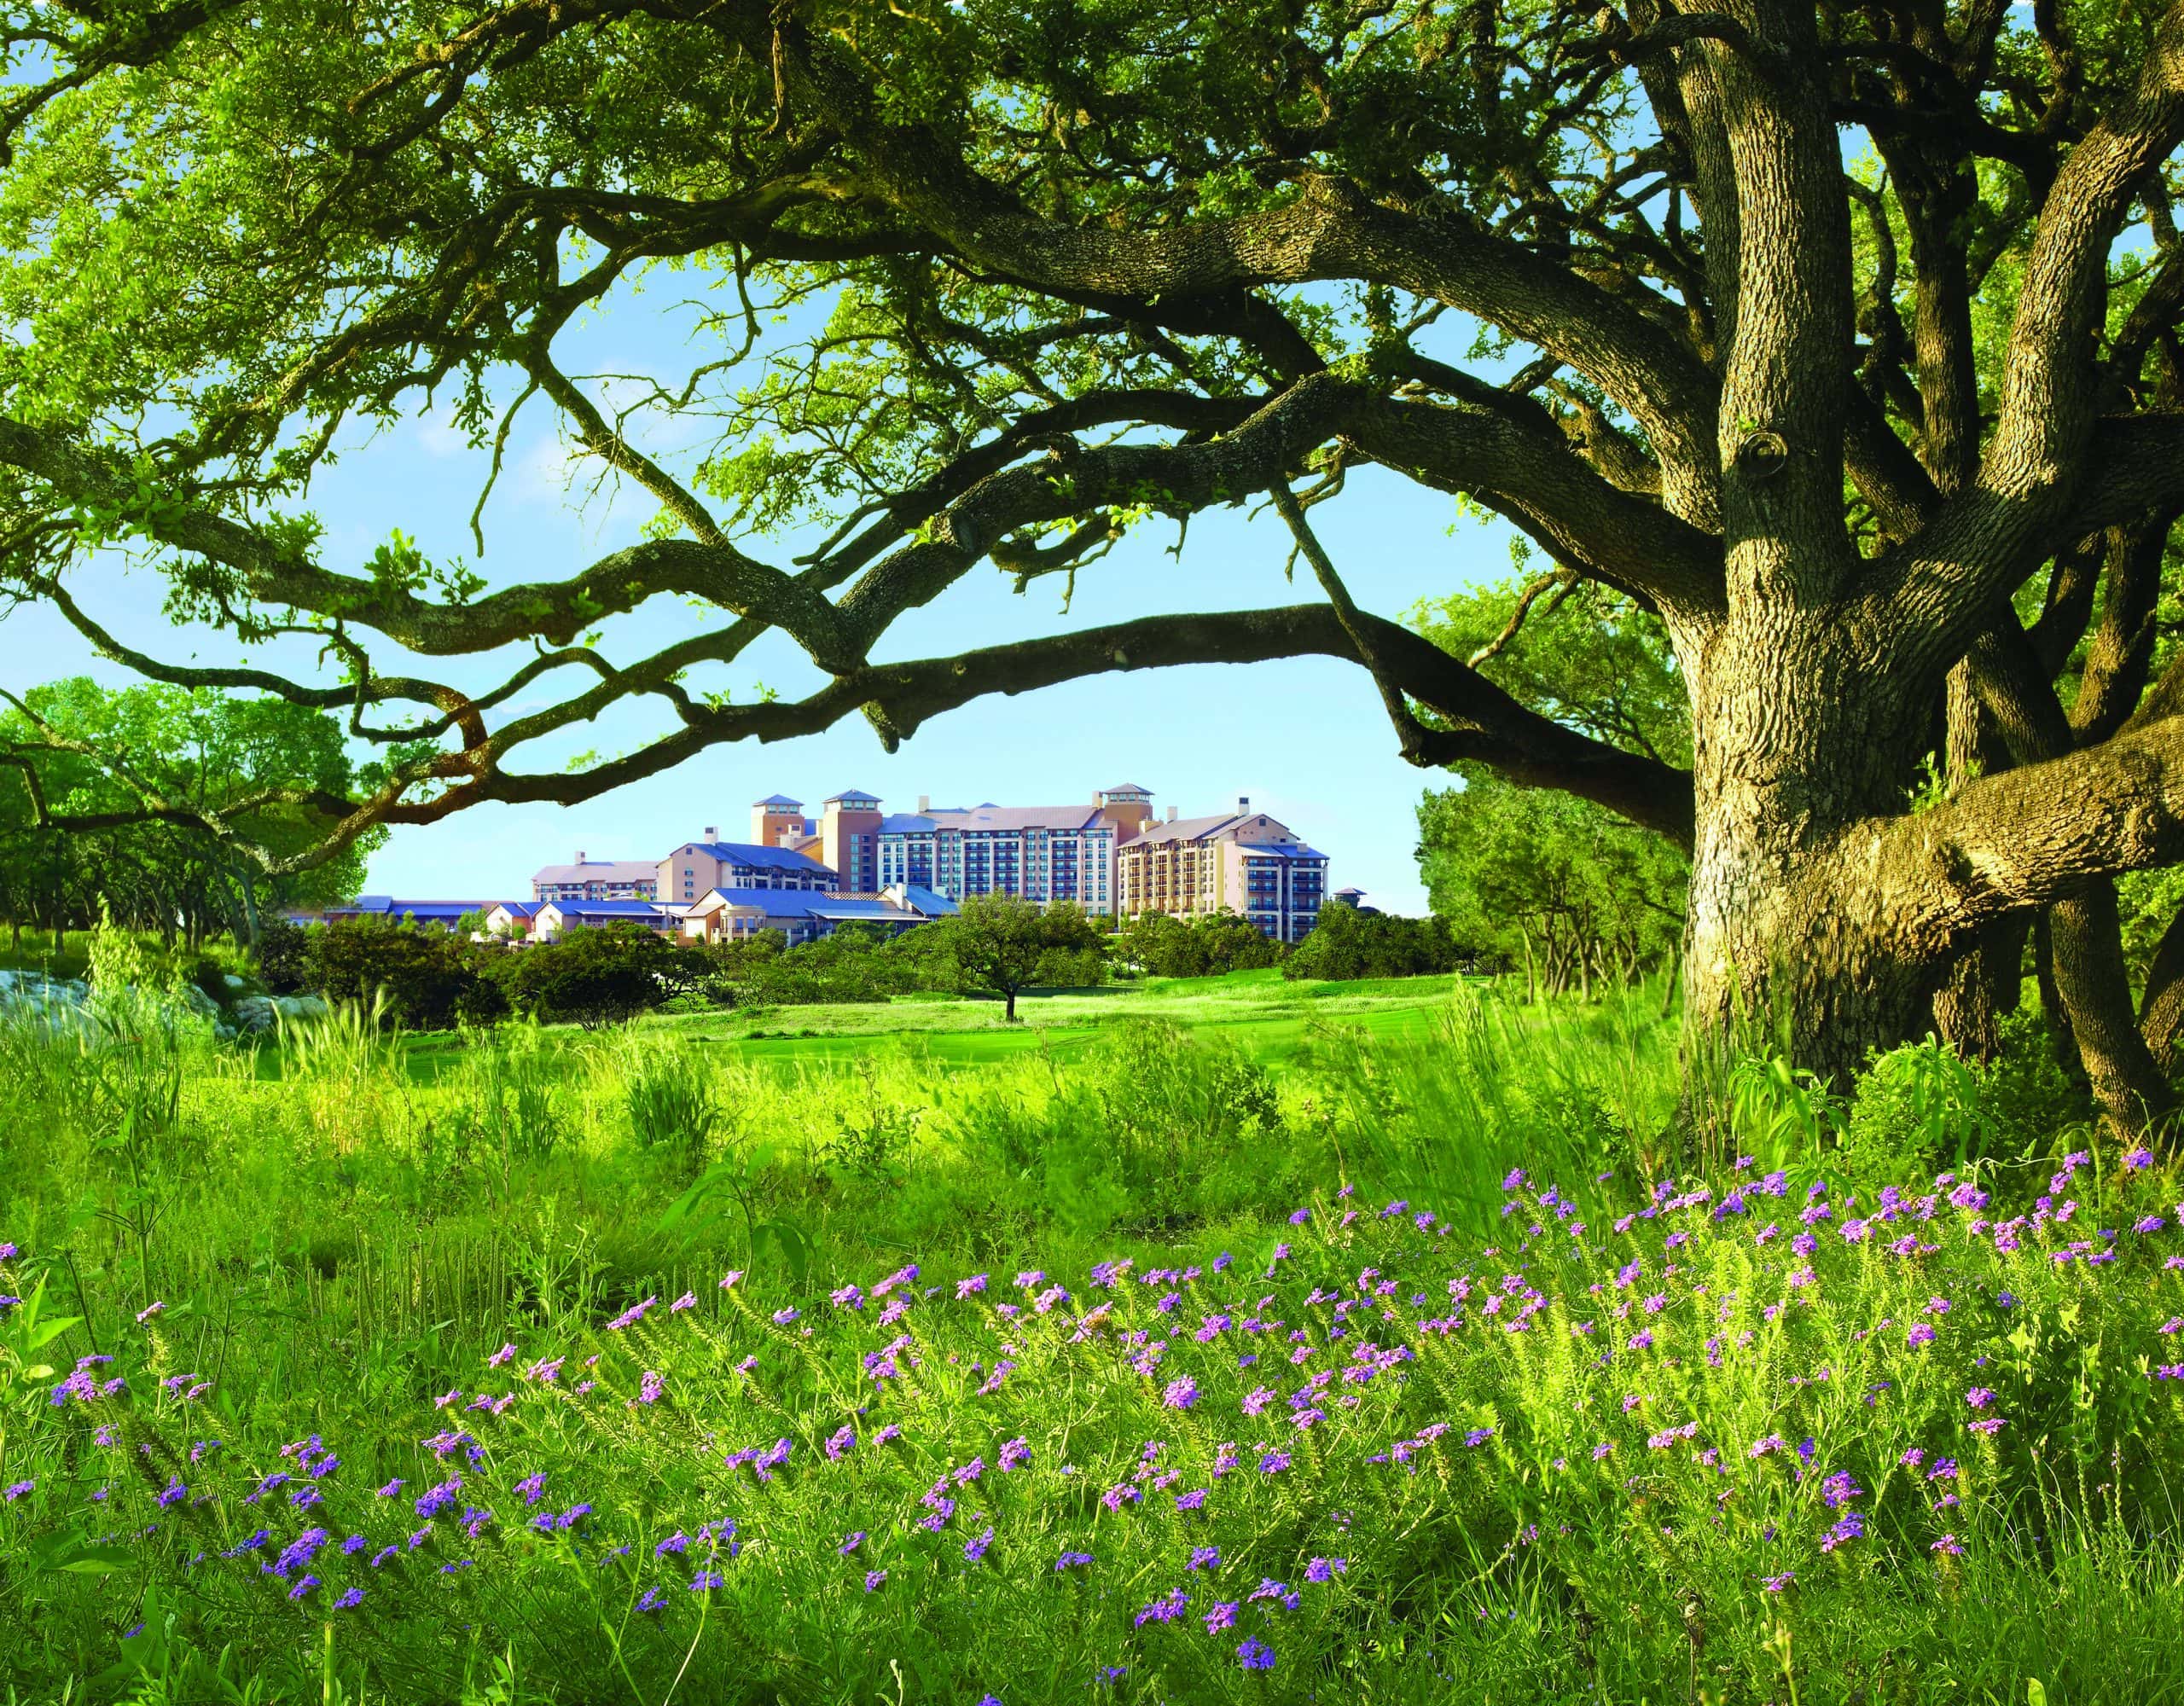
2161 1009
1008 1012
2063 1039
1981 988
1786 951
1982 985
2096 992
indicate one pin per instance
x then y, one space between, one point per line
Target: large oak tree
1839 338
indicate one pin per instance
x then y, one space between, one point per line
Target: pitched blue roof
825 906
605 908
906 823
1276 850
752 854
853 794
779 799
519 908
809 903
396 908
774 902
927 901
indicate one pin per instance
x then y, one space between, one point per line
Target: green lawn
1263 1012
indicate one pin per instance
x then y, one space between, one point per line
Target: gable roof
1006 818
605 908
852 794
1210 829
600 871
1184 829
799 903
751 855
780 799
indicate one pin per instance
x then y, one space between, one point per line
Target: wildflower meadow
1623 1425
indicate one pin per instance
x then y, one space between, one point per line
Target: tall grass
337 1245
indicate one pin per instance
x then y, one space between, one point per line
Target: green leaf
100 1562
785 1236
684 1205
50 1331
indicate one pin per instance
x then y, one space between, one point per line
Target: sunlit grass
420 1271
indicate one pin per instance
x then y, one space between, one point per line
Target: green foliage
1565 889
671 1096
2148 903
428 977
1348 943
1005 944
1917 1109
284 956
203 750
509 1087
364 1246
1583 655
599 977
1209 944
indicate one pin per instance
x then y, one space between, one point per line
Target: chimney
1243 803
712 832
1171 813
579 855
925 804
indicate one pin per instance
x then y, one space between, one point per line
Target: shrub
1347 943
671 1098
603 977
211 979
1206 946
429 981
284 956
1920 1108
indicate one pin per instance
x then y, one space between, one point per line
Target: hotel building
1245 862
597 879
1043 853
697 867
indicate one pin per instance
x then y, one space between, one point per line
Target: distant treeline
431 978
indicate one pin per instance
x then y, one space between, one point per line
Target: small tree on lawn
998 941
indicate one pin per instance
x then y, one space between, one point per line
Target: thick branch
2028 837
1331 230
277 574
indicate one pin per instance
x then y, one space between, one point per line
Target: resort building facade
696 868
1042 853
730 915
1244 861
598 879
1111 856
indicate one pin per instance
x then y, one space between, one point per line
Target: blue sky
1305 740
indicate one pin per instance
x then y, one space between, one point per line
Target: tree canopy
1005 944
1840 338
83 751
1563 888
